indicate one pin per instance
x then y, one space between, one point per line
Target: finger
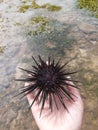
71 86
74 91
30 96
26 84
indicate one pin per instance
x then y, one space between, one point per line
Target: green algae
91 5
34 5
51 7
24 8
2 49
38 31
18 24
39 19
54 8
42 23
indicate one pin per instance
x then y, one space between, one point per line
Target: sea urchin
49 80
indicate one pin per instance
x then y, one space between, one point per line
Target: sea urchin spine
49 80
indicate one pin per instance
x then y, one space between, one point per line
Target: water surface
65 33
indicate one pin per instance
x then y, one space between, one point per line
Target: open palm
60 119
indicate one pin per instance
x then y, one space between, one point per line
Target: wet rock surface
67 33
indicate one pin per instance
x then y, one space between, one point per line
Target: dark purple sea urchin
48 80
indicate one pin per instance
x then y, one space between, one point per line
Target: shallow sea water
66 33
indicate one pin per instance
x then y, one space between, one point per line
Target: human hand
59 119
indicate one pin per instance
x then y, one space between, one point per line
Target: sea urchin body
48 80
